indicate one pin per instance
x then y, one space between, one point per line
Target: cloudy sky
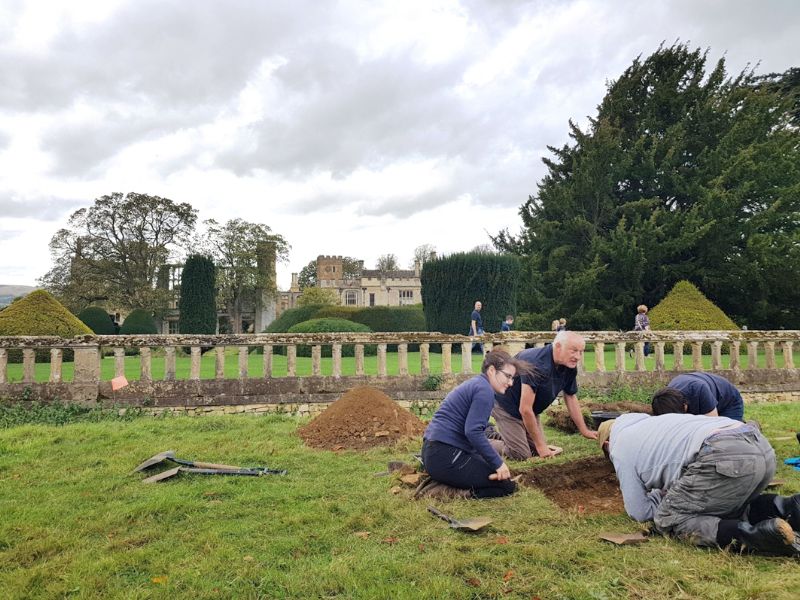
351 127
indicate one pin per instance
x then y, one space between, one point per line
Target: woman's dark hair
668 400
498 358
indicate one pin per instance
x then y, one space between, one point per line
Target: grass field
256 365
76 524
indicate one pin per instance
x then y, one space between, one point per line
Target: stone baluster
402 359
734 350
660 364
28 365
447 359
716 355
600 357
87 365
466 358
382 372
359 352
316 360
56 359
146 364
639 356
752 355
244 356
169 363
3 365
194 368
268 363
119 362
788 356
336 359
619 358
291 360
487 347
424 359
677 355
697 356
769 354
219 362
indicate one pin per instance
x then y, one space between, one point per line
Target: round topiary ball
138 322
98 320
331 326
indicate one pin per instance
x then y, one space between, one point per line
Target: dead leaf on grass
474 582
160 580
421 547
501 539
509 574
390 540
362 534
412 479
248 558
396 490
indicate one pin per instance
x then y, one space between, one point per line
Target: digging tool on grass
473 524
169 455
198 471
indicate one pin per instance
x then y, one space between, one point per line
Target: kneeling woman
455 450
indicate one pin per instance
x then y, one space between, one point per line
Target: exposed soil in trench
560 419
587 486
364 417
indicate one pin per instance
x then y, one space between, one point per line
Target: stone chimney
417 268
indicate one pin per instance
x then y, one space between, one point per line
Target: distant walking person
506 325
476 324
642 323
562 324
700 394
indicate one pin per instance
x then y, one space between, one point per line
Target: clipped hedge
452 284
139 322
291 317
39 313
686 308
197 306
97 319
331 326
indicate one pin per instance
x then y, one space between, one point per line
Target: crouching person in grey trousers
695 478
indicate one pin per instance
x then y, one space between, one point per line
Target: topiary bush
97 319
139 322
331 326
197 306
685 308
291 317
39 313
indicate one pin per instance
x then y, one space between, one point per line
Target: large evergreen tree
197 304
682 174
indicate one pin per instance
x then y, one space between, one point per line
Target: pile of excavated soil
560 419
363 417
588 486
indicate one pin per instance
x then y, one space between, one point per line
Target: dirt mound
560 419
363 417
588 486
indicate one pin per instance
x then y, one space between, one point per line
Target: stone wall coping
415 337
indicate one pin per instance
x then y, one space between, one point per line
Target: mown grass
76 524
303 367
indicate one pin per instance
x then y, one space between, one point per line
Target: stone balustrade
741 350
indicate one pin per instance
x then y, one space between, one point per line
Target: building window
406 297
173 327
350 298
372 299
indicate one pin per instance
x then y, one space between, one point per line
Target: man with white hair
517 411
700 479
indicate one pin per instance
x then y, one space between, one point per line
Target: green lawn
256 369
76 524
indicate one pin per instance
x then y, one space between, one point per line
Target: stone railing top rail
418 337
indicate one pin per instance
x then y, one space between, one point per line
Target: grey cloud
42 208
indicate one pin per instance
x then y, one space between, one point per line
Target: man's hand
589 434
544 452
501 473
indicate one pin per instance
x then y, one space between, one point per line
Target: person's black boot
789 509
773 536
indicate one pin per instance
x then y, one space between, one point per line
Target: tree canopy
241 250
683 173
114 249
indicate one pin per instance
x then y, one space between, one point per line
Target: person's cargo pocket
735 468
